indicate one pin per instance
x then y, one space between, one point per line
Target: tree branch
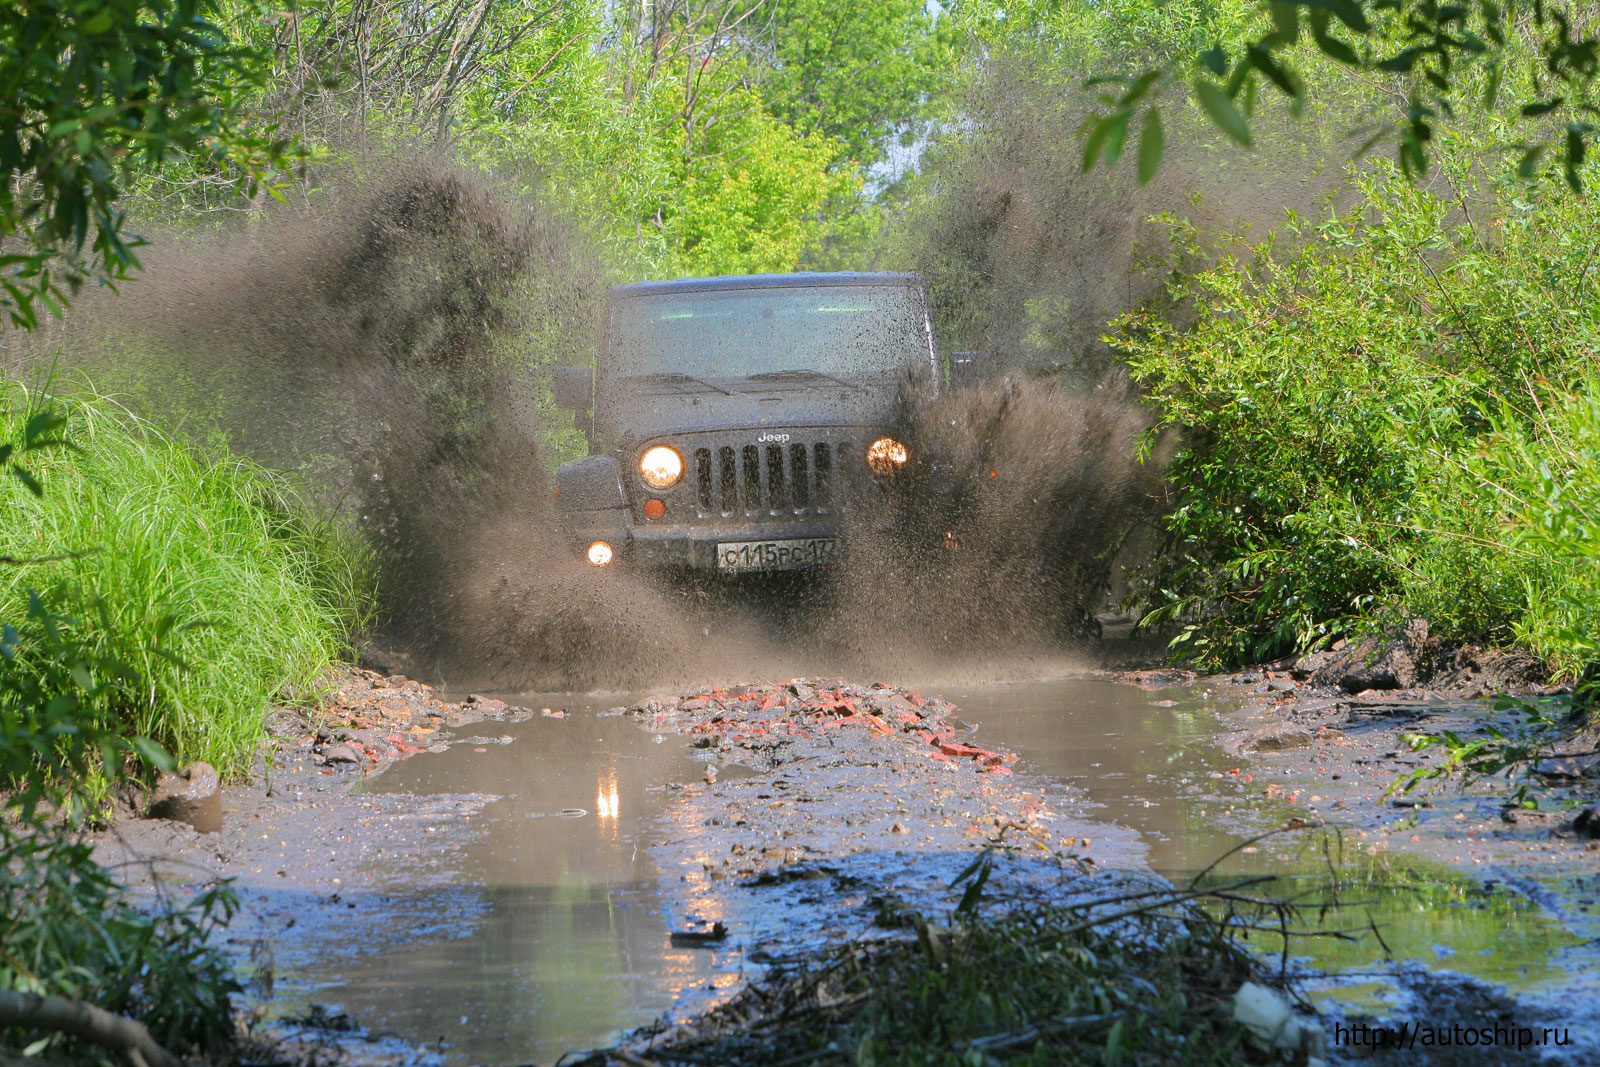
82 1020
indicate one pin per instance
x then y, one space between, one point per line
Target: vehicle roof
763 281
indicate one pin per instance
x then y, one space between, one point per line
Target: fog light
886 455
654 509
599 553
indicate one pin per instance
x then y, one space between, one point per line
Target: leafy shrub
67 929
1342 400
1546 477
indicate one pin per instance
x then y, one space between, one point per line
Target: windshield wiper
674 378
798 374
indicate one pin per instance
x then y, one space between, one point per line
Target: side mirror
965 368
573 387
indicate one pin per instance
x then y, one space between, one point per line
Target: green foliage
59 693
857 71
760 210
1544 473
1513 750
196 591
1438 58
67 929
691 136
53 733
666 138
1339 399
95 88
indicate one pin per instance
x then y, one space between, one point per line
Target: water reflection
606 804
1146 759
573 946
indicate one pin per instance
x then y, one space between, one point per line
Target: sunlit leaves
94 88
762 201
1423 47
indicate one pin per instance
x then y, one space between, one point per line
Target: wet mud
1351 757
877 793
1339 759
322 868
507 878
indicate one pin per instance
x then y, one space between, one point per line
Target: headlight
661 467
886 455
599 553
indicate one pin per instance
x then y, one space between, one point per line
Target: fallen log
76 1018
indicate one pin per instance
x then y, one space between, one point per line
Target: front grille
753 479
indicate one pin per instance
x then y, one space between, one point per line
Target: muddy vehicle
733 421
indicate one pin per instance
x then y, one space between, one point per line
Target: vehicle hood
661 411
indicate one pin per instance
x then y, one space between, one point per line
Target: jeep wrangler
732 420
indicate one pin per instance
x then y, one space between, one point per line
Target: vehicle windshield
847 331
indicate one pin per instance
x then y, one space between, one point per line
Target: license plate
792 555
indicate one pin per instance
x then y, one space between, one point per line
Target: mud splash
390 347
1018 488
1018 494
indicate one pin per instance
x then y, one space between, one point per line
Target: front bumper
681 548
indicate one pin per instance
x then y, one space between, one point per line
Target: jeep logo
776 438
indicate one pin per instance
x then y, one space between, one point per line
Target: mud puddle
566 940
570 944
1148 761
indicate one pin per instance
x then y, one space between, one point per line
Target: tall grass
196 570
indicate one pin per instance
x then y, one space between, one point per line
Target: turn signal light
654 509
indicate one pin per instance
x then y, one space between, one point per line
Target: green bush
197 576
1352 394
1546 476
67 929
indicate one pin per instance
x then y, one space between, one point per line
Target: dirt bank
1336 734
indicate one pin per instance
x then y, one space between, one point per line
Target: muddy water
1145 757
568 944
571 945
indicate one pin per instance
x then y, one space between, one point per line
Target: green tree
759 210
1431 61
94 89
859 71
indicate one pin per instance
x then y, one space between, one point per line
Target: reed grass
199 570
